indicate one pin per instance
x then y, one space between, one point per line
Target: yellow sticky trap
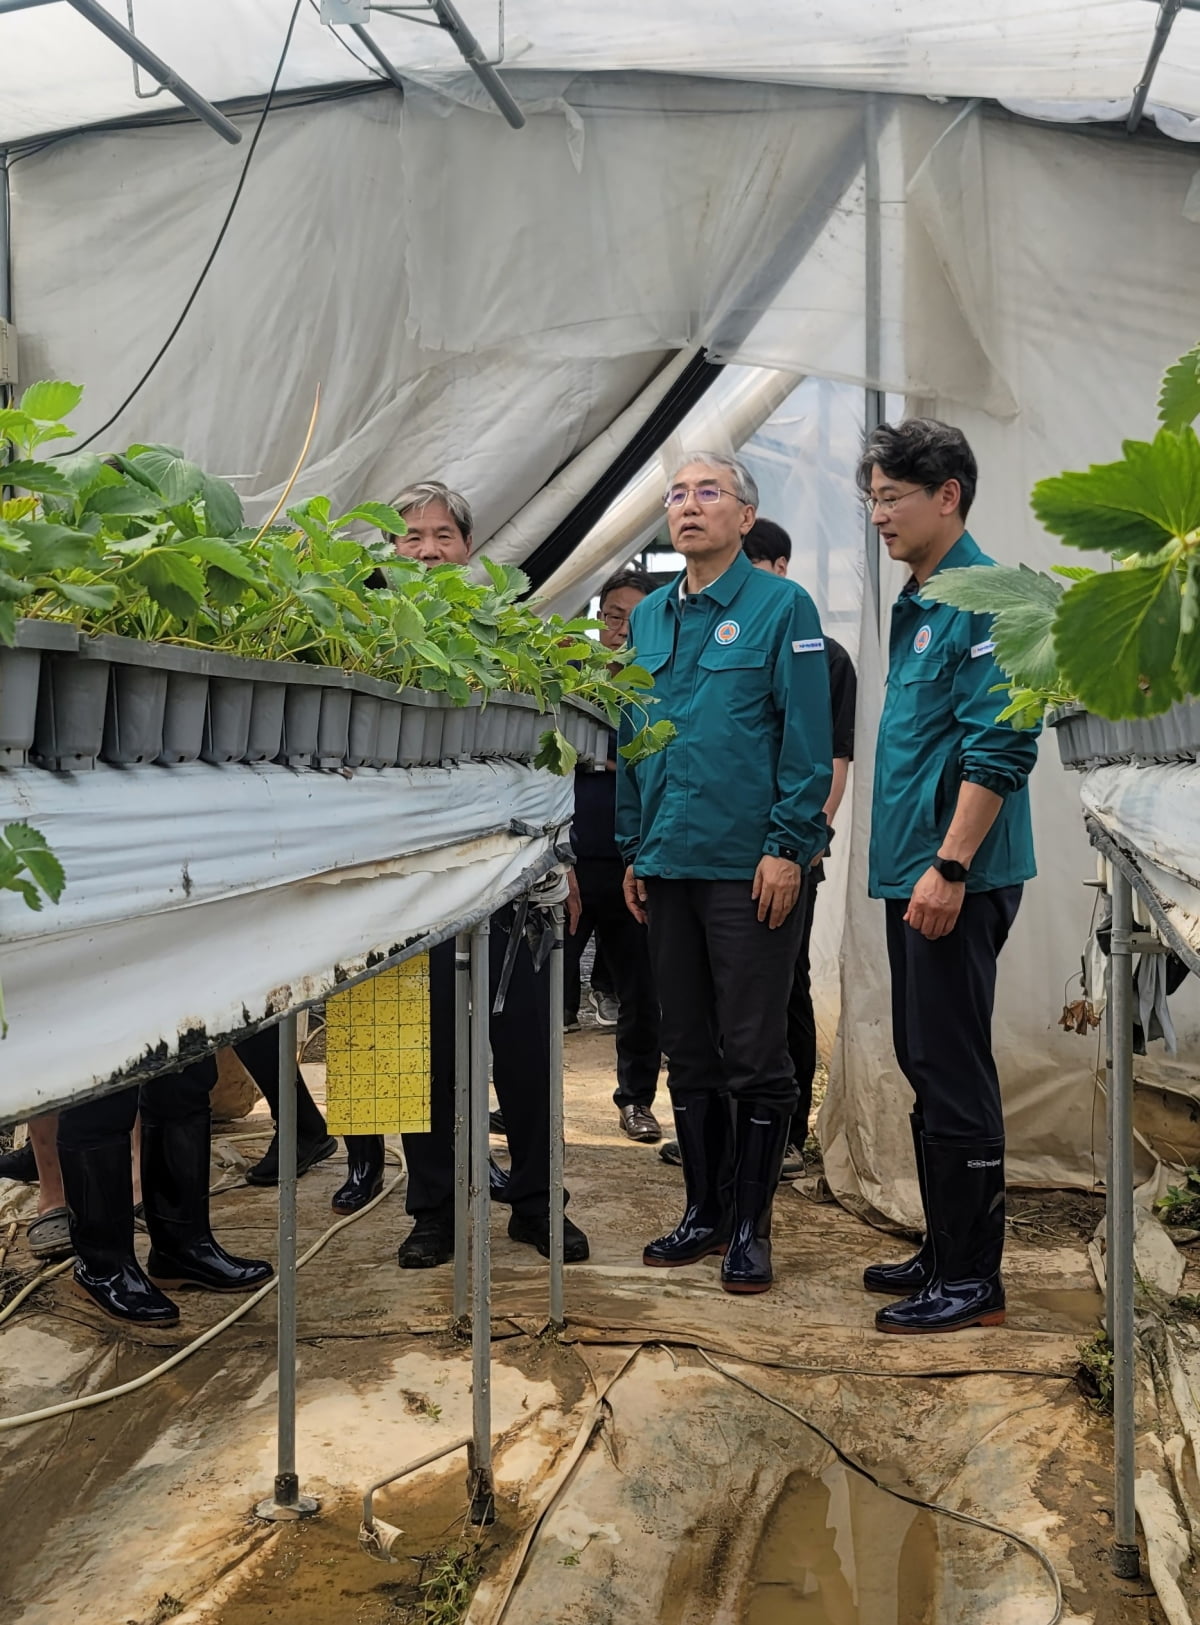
377 1053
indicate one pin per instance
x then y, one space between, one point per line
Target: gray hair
424 492
744 488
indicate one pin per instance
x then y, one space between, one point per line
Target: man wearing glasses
600 872
717 831
951 846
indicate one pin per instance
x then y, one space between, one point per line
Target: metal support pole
557 1318
478 63
874 405
287 1503
482 1491
1168 10
384 60
5 240
1119 1271
462 1123
154 65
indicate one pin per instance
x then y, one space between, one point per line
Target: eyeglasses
888 505
614 619
678 495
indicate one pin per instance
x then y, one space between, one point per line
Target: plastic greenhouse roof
1078 59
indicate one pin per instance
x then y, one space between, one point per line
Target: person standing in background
951 848
718 831
769 547
600 871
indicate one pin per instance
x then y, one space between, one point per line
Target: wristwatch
949 870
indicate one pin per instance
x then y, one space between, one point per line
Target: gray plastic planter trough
20 679
67 700
1087 741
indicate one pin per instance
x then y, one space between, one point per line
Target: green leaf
51 400
14 425
1136 505
98 595
129 499
374 513
226 556
1023 604
430 654
1116 637
11 589
175 477
54 547
653 738
556 753
32 850
224 589
8 624
1072 572
222 505
43 478
1179 397
130 466
171 579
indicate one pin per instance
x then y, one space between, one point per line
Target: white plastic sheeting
1081 56
1151 814
206 899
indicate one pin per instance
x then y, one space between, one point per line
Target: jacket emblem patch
727 632
922 639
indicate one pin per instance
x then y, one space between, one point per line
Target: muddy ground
141 1509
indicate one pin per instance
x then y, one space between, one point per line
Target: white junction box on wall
8 352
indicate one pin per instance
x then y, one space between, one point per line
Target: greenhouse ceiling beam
1167 12
93 12
385 62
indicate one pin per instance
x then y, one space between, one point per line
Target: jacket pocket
732 657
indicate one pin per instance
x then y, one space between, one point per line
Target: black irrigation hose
901 1495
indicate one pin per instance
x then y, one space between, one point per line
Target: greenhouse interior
268 262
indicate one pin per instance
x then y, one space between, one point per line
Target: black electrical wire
216 247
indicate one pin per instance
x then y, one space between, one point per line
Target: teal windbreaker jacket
938 729
741 671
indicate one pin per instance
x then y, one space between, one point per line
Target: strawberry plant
1124 641
145 544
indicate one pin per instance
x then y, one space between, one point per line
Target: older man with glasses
718 831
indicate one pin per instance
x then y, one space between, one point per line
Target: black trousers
801 1022
723 980
943 993
626 951
601 977
520 1037
162 1100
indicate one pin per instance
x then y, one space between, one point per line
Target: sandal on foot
49 1235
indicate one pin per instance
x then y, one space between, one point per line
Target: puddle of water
1076 1309
836 1551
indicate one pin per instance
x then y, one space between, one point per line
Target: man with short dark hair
951 847
769 547
718 831
600 871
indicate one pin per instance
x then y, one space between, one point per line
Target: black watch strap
949 870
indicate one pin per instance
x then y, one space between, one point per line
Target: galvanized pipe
874 403
286 1502
482 1508
1168 10
154 65
447 15
366 39
557 1318
462 1124
1119 1277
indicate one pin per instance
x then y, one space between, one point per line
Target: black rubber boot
762 1138
534 1230
364 1176
966 1220
183 1251
429 1243
313 1140
98 1183
902 1280
20 1165
704 1132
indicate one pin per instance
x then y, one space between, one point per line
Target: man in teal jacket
718 831
951 847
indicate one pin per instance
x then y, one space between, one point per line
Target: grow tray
68 701
1085 740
